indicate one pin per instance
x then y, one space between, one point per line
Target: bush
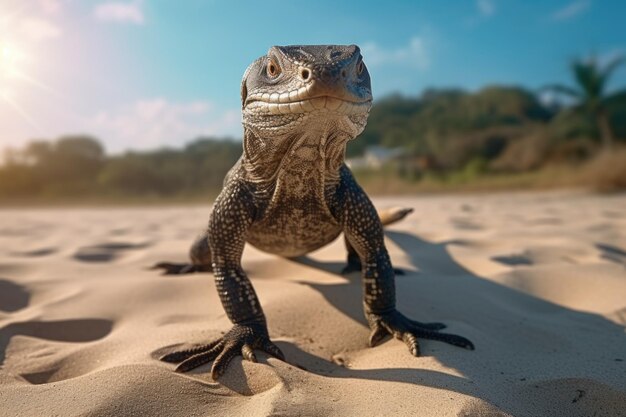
606 171
523 154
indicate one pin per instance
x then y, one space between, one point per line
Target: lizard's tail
393 214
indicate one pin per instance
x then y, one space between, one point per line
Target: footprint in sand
513 259
69 331
35 252
106 252
462 223
13 297
612 253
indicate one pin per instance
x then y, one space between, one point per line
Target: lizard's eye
360 67
273 70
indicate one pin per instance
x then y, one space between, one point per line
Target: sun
7 54
10 59
6 58
11 75
16 66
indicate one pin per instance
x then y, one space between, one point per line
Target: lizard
291 193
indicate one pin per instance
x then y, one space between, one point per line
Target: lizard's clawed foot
180 269
399 326
242 339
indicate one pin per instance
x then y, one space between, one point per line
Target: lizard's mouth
299 101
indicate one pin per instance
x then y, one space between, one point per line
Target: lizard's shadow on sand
330 267
449 293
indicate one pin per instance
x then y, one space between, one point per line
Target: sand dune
536 281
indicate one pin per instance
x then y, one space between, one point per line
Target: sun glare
11 61
9 64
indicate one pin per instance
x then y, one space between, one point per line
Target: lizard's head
307 87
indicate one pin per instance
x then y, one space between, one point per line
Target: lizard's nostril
305 74
344 74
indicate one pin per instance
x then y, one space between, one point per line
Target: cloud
39 29
157 122
120 12
572 10
50 6
415 54
486 8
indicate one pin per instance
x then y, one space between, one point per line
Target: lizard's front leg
363 229
231 217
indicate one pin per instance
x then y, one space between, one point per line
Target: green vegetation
500 137
77 169
591 78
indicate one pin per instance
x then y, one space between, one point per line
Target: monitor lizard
291 193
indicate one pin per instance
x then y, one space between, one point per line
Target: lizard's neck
304 163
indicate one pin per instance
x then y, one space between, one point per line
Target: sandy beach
536 280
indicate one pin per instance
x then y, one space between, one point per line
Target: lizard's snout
335 81
308 79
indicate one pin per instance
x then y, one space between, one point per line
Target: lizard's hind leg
200 255
354 262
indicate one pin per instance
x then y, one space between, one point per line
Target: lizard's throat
310 155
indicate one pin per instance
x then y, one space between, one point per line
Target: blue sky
148 73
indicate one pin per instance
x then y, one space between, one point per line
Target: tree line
75 166
494 130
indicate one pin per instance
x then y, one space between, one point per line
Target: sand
536 281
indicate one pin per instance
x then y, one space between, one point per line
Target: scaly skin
291 193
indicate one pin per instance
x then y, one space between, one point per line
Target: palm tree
591 78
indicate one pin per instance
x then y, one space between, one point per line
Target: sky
142 74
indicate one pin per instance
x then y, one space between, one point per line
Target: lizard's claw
242 339
399 326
